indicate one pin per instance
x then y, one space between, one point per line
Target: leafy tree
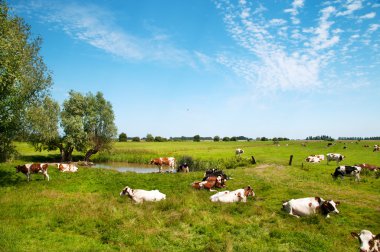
149 138
122 137
197 138
24 78
136 139
233 139
226 139
216 139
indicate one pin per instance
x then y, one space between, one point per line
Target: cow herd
217 179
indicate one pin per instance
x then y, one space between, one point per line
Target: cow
313 159
239 195
183 168
346 170
215 173
311 205
238 152
28 169
369 167
67 167
161 161
334 157
140 195
376 148
209 183
368 241
320 156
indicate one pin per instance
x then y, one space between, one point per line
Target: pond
130 167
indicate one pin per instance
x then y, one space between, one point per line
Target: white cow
321 156
67 167
238 152
139 195
234 196
313 159
368 241
309 206
334 157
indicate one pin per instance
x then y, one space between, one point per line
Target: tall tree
24 78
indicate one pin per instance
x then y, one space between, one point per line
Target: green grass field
84 212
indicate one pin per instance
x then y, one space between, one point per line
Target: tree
197 138
226 139
123 137
24 78
216 139
149 138
136 139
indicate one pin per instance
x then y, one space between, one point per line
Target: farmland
84 212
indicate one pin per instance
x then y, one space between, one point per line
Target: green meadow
84 212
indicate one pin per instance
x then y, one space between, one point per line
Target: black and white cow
309 206
368 241
346 170
334 157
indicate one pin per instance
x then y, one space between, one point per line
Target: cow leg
46 176
160 169
27 176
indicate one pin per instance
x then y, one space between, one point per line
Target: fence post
253 160
291 159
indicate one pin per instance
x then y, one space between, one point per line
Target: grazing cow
345 170
139 195
161 161
309 206
334 157
376 147
313 159
28 169
239 195
238 152
368 241
183 168
67 167
209 183
369 167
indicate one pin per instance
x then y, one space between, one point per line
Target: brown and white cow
28 169
368 241
369 167
209 183
161 161
239 195
309 206
313 159
67 167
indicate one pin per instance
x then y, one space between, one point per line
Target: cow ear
355 235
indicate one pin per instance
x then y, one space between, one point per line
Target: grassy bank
84 212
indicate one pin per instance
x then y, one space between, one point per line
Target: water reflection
128 167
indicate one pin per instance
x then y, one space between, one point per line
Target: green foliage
24 78
160 139
136 139
123 137
197 138
226 139
149 138
216 138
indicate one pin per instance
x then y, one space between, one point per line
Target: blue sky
274 68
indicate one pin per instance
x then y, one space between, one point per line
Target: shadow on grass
50 158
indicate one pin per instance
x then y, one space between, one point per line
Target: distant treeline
359 138
322 137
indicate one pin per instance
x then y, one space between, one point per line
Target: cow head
248 191
368 241
329 206
126 191
18 168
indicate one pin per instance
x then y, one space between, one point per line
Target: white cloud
351 6
374 27
368 16
296 5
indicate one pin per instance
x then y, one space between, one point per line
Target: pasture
84 212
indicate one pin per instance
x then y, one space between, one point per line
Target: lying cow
309 206
376 147
345 170
209 183
161 161
139 195
28 169
334 157
369 167
320 156
215 173
312 159
67 167
368 241
239 195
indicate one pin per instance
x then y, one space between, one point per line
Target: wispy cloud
284 55
96 26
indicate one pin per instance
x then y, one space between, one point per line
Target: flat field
84 212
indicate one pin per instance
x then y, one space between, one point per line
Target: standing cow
346 170
334 157
161 161
238 152
28 169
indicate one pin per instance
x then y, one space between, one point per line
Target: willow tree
24 78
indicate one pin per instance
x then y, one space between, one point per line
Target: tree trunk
89 153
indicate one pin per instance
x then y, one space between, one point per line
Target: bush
122 137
